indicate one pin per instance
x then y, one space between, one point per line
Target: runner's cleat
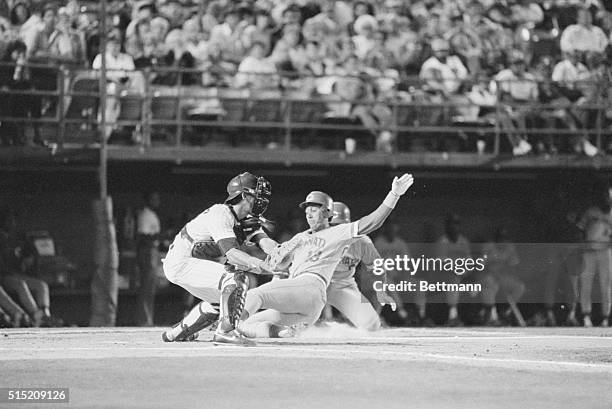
291 331
232 337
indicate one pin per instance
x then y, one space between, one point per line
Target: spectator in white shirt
117 63
256 71
326 26
516 85
121 76
286 47
443 72
444 75
364 41
572 78
229 36
144 10
527 12
583 36
568 73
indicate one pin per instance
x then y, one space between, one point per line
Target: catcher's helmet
341 213
256 186
320 198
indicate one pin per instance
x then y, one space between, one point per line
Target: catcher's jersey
320 252
213 224
361 250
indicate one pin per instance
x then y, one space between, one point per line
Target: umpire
148 257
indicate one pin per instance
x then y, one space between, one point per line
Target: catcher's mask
256 186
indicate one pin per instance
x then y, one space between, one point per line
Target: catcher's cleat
232 337
181 332
166 337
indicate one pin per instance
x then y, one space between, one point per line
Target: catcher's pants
200 277
344 295
596 262
287 302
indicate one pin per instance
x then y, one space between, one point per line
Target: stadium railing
420 118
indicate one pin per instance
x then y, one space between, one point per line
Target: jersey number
314 255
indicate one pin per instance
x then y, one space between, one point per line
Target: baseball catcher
208 259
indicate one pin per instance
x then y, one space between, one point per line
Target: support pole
102 171
104 285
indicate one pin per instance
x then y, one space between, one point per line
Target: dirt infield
335 367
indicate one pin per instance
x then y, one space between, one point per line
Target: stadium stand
370 53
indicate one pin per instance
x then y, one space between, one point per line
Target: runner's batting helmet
341 213
256 186
320 198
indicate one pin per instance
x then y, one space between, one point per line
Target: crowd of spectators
551 52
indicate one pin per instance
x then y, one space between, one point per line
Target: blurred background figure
595 224
15 77
583 36
11 313
452 245
565 266
257 72
294 224
31 293
500 275
148 229
121 77
517 86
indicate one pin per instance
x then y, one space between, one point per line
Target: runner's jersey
360 250
320 252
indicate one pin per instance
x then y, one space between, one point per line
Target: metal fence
419 117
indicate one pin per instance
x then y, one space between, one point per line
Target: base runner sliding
311 257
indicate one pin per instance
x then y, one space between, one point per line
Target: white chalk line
287 351
383 340
322 334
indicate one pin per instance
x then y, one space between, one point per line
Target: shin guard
233 294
